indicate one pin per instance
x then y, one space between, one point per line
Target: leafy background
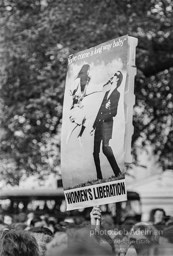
36 38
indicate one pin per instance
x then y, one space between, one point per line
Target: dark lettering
108 190
104 191
123 190
95 193
68 196
90 194
85 195
100 192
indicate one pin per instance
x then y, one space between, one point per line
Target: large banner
97 123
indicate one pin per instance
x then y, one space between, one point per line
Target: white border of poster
95 140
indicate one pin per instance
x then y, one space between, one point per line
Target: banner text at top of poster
97 50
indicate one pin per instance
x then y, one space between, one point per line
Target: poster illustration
95 126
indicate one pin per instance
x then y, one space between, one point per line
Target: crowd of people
45 236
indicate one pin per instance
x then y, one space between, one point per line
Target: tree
39 36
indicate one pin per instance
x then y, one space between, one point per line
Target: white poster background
77 162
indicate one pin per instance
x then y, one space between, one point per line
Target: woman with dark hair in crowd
15 243
158 218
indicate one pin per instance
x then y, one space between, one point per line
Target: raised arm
95 216
108 82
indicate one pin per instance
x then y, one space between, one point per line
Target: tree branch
157 67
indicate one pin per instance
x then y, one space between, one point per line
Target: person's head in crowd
60 228
22 217
107 221
159 216
128 223
69 220
38 222
16 243
8 220
121 244
143 236
51 223
30 217
79 220
58 244
43 236
41 230
64 226
45 218
81 243
18 226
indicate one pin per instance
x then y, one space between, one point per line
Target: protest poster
97 123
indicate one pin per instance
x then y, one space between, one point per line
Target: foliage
39 36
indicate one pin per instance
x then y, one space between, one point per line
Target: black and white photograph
93 129
86 127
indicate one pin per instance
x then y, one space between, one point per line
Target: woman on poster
81 82
78 92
